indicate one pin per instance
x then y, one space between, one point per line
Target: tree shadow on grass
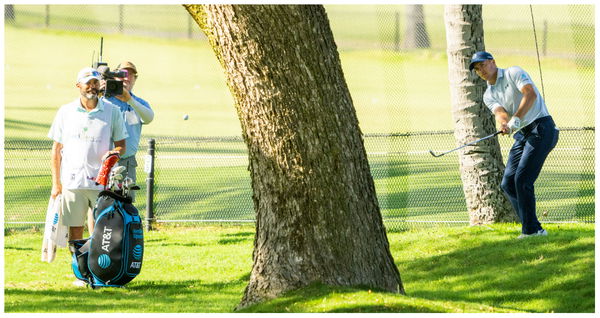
173 244
234 238
536 274
12 124
345 300
19 248
539 274
231 241
240 234
191 296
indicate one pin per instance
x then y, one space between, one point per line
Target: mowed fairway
404 91
209 180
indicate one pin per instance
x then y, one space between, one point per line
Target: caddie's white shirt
86 137
507 93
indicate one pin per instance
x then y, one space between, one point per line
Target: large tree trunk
481 166
317 216
416 35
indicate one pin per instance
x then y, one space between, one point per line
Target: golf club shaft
469 144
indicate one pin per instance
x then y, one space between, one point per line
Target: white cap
86 74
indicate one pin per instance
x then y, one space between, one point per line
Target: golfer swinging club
518 107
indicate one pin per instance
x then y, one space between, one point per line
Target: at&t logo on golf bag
106 238
113 255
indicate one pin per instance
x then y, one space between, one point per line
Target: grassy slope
457 269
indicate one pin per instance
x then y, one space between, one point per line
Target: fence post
189 26
149 169
9 12
47 16
397 32
121 18
545 40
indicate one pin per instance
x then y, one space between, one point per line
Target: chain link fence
206 179
165 21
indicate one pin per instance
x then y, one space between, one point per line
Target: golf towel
55 234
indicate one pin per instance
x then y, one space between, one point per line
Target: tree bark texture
416 35
317 215
481 165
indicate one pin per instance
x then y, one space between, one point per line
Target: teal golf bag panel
113 255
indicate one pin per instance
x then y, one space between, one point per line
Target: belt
527 129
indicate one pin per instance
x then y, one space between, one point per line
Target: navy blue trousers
525 160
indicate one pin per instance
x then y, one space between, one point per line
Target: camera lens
113 87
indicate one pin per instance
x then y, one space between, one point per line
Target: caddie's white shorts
75 205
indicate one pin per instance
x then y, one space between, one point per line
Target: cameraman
136 112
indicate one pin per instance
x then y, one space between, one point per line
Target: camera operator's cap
479 57
127 64
86 74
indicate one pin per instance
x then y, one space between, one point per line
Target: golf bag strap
115 196
72 246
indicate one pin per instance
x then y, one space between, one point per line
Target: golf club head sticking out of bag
465 145
128 186
104 172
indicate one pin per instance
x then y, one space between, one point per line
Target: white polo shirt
86 137
507 93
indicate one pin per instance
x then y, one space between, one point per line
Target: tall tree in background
481 166
416 35
317 216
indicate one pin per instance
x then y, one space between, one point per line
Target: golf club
118 169
118 183
126 186
114 181
114 177
465 145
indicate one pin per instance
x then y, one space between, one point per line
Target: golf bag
112 255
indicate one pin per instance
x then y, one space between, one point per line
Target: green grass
447 269
205 269
173 18
370 26
392 91
167 81
210 181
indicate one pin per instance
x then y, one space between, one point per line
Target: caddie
519 108
82 131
